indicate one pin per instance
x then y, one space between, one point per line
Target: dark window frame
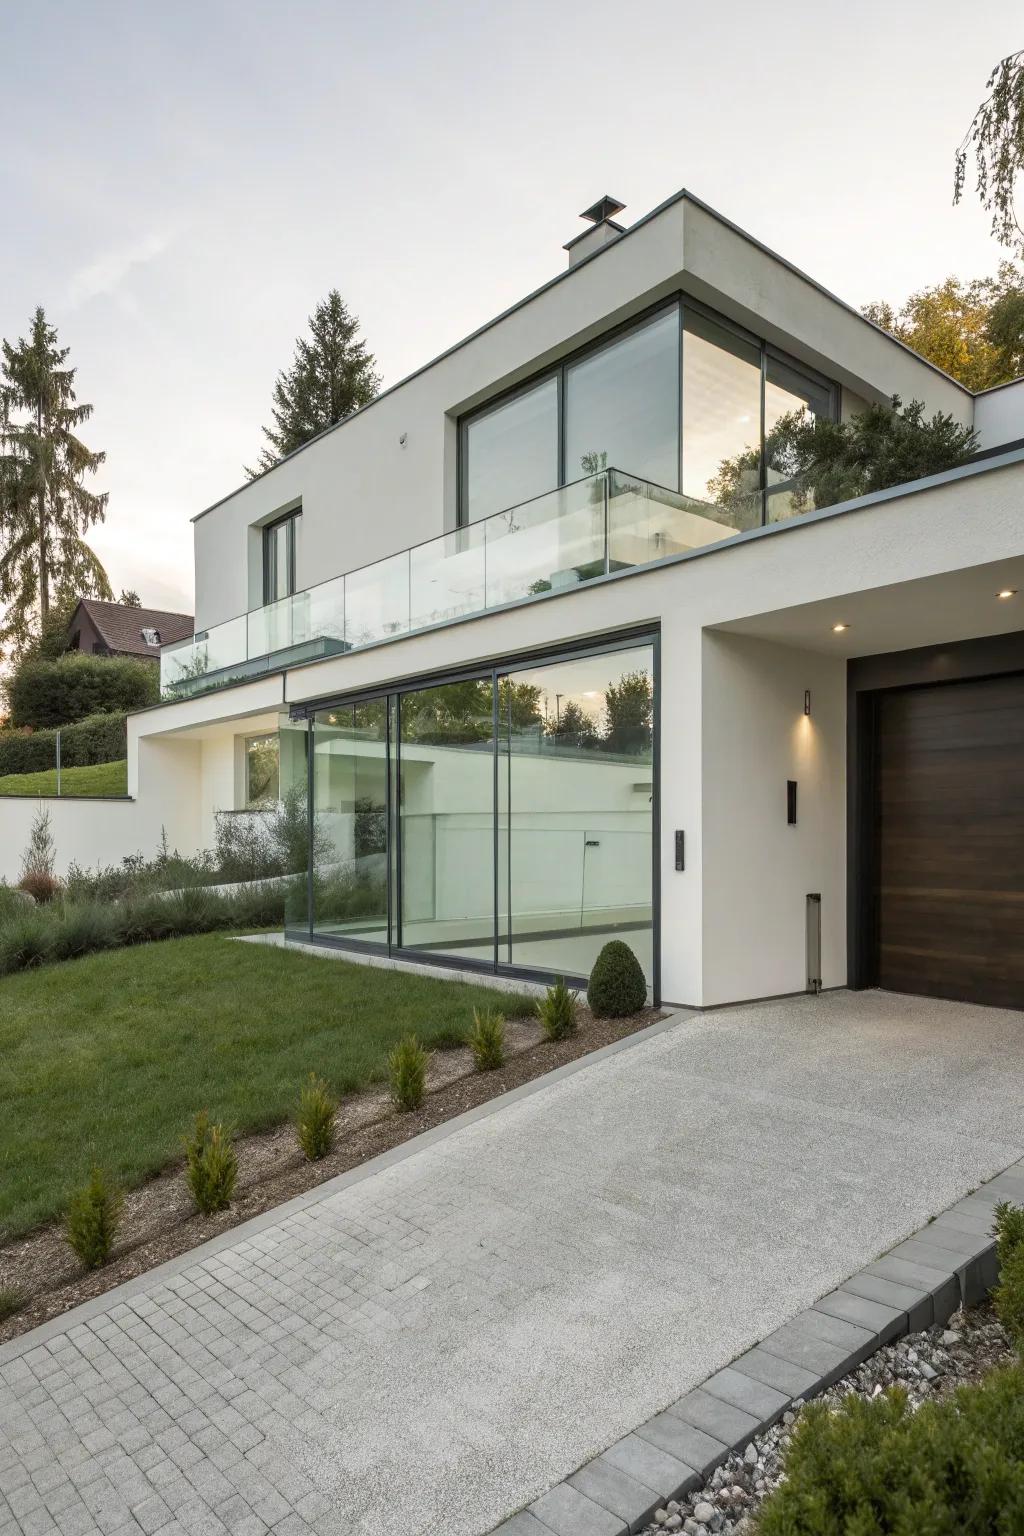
493 669
267 534
681 302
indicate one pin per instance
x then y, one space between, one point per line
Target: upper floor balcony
605 522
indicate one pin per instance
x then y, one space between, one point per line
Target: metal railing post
58 760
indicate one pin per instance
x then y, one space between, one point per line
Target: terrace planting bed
159 1221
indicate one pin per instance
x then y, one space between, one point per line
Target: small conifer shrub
315 1119
92 1220
211 1166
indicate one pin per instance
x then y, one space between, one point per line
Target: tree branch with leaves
995 139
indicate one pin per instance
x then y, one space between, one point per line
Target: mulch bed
159 1222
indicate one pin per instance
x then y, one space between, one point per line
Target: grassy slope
108 1058
100 779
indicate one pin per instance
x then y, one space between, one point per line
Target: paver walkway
428 1348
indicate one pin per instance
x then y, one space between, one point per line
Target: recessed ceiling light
1007 592
837 629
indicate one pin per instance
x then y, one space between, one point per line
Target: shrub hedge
876 1467
97 739
45 693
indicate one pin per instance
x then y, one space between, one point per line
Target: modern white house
543 674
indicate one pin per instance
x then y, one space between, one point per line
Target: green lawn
99 779
107 1059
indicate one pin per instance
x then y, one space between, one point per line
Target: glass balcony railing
607 522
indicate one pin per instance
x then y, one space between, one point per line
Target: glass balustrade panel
648 523
446 577
551 544
377 601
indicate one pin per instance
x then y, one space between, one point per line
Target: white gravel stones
924 1364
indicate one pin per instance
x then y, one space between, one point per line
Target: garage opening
947 865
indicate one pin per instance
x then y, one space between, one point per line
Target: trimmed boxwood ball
617 985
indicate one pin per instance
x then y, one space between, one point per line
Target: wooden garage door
950 841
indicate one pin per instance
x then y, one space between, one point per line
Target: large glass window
525 846
510 453
619 406
262 771
350 822
446 799
576 796
622 405
722 420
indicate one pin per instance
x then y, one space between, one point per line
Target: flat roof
683 195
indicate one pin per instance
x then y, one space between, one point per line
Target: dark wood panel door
949 849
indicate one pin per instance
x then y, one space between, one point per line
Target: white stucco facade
752 671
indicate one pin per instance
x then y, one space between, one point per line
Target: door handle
592 842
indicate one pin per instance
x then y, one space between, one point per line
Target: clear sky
181 183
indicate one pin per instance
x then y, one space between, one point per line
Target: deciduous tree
995 139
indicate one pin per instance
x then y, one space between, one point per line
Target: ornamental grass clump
407 1069
12 1299
314 1122
557 1011
617 985
211 1166
92 1220
487 1039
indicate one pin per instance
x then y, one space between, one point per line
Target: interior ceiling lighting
1007 592
837 629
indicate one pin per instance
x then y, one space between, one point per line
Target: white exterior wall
365 496
999 415
758 870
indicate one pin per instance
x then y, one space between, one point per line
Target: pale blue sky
182 183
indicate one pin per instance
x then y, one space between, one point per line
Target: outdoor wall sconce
791 802
807 701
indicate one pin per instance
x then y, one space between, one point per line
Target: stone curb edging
923 1280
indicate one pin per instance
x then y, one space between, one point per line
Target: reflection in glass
262 771
552 543
511 452
722 420
788 392
293 783
622 405
350 822
446 800
576 771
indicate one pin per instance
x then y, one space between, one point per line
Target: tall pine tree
45 508
331 376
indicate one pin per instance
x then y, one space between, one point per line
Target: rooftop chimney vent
601 217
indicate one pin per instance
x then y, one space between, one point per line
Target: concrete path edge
923 1280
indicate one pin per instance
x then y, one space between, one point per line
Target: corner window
262 771
279 558
701 423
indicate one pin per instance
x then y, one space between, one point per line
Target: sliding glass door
446 819
504 820
575 811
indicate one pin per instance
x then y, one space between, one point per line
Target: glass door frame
618 640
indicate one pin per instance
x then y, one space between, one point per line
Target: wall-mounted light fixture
807 701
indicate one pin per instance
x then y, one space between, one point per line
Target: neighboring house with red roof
114 629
